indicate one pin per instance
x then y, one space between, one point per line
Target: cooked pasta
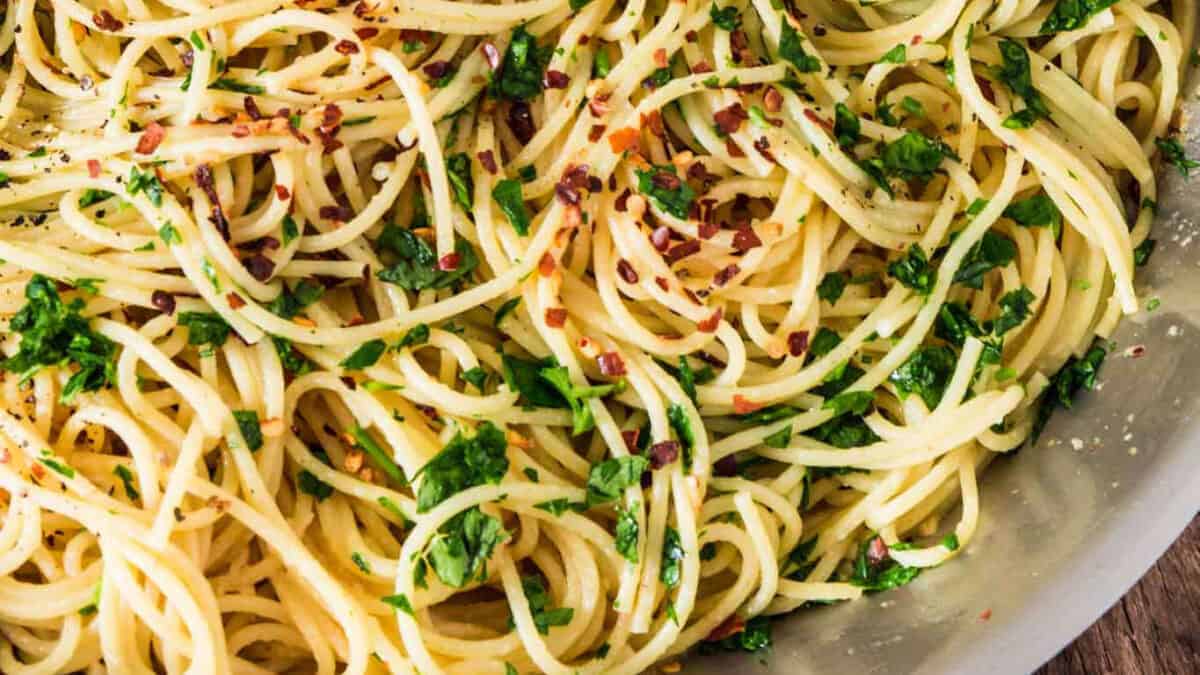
548 335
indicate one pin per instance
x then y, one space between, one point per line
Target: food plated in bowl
545 336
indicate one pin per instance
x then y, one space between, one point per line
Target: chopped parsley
464 463
1078 373
1014 309
56 334
400 602
147 183
205 328
462 186
627 533
1014 72
832 286
926 374
607 480
1073 14
791 49
672 559
539 606
507 194
365 356
1174 154
666 190
846 126
914 271
725 18
413 265
250 428
520 76
991 252
879 575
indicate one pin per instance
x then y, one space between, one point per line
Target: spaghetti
562 336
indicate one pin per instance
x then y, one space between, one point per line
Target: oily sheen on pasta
550 335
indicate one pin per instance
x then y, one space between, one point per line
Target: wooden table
1154 629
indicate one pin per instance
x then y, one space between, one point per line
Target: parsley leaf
726 18
1174 154
1078 373
56 334
251 429
205 328
879 575
365 356
147 183
1014 71
465 543
1037 211
462 186
627 533
925 373
539 603
1073 14
576 396
507 194
897 54
846 126
991 252
1014 309
463 463
832 286
914 156
520 76
672 559
607 480
414 265
791 48
914 271
666 190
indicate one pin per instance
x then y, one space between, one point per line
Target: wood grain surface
1154 629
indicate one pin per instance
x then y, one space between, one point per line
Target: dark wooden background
1154 629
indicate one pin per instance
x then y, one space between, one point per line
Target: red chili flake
331 118
361 9
611 364
555 79
336 212
660 57
596 132
917 39
491 54
721 278
762 145
235 301
520 121
626 272
708 230
701 67
583 40
691 36
576 176
556 317
877 551
163 301
733 149
630 436
251 107
366 33
546 264
240 131
104 20
566 194
664 453
152 136
282 192
623 139
710 324
730 119
726 466
744 406
598 106
93 166
985 88
666 181
259 266
204 178
661 238
797 342
436 70
985 615
745 239
449 262
817 119
730 626
346 47
621 204
1136 351
662 283
681 251
488 160
772 100
654 122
